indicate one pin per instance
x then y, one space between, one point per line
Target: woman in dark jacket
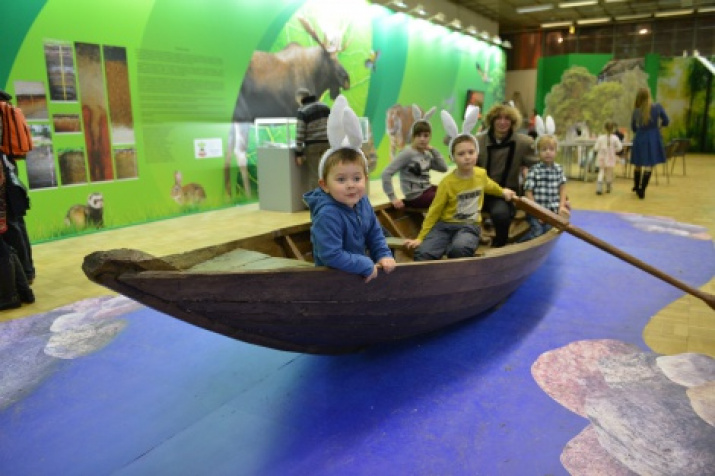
648 149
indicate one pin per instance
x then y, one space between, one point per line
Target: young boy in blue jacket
344 224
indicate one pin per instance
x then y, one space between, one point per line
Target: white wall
523 82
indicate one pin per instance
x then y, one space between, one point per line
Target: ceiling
504 12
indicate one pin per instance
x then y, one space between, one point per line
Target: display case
275 132
280 179
281 182
279 132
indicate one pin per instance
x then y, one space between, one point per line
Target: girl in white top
607 147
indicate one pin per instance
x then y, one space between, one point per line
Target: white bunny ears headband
418 117
344 132
450 127
544 128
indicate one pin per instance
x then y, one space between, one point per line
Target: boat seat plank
276 263
241 259
395 243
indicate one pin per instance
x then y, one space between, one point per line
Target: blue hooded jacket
340 234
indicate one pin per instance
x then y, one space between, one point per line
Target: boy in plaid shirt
545 185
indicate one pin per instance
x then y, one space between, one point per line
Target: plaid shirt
544 182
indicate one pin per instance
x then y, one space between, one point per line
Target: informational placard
208 148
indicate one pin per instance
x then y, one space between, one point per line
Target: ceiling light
506 44
673 13
471 29
706 10
558 24
580 3
638 16
496 40
484 35
572 30
535 8
419 10
437 18
593 21
613 1
643 31
455 24
397 4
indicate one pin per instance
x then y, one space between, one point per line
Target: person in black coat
14 286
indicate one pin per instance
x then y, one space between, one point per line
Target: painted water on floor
108 387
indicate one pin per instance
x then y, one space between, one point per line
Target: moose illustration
270 85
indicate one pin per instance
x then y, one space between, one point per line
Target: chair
682 146
670 150
624 158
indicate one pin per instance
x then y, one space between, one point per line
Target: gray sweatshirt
414 168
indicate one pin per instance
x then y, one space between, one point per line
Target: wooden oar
562 223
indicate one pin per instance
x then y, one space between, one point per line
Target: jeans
536 228
456 240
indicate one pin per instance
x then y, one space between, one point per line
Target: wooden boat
266 291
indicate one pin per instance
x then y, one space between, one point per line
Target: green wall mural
685 89
134 103
592 89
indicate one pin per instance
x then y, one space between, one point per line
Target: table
580 152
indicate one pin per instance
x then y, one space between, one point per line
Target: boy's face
547 153
345 183
421 141
465 156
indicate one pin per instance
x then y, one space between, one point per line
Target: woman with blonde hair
648 150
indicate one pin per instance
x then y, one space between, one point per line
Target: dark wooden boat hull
318 310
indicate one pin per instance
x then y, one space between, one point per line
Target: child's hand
397 203
564 211
509 194
387 264
411 244
373 275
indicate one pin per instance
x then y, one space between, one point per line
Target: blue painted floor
149 395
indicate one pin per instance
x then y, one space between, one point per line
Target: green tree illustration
600 103
565 100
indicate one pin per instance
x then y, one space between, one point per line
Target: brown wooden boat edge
127 271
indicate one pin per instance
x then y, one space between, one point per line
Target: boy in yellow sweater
451 226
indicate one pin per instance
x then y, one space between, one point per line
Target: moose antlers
333 37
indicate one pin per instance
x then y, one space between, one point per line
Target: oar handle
543 214
563 224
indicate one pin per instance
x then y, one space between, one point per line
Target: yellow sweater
459 200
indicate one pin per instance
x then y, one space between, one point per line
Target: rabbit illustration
189 194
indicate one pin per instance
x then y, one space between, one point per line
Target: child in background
545 181
607 147
414 164
451 226
344 223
